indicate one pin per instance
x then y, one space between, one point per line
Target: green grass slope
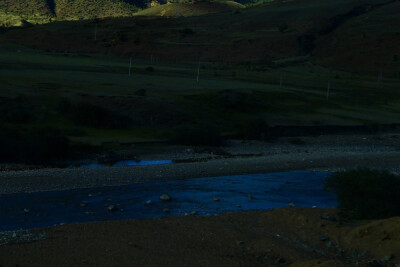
17 12
30 7
83 9
12 12
190 8
40 11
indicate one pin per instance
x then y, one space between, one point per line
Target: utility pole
328 90
380 78
198 71
95 33
176 9
130 66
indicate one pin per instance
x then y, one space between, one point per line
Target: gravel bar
63 179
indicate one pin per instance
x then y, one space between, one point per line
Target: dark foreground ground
281 237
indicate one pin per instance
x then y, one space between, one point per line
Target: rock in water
323 238
165 197
280 261
112 208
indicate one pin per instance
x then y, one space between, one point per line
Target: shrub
253 129
137 41
283 27
17 110
37 146
16 116
187 31
90 115
82 151
366 194
232 100
140 92
150 69
197 136
296 141
64 105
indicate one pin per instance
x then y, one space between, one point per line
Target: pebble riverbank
326 153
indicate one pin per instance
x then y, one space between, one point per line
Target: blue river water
125 163
200 196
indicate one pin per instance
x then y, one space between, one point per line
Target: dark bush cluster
16 116
140 92
90 115
253 129
39 146
15 111
296 141
283 27
232 100
366 194
150 69
205 135
187 31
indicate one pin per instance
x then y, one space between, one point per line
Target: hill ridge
15 12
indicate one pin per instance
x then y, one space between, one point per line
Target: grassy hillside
328 33
40 11
190 9
12 13
26 7
18 12
73 9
